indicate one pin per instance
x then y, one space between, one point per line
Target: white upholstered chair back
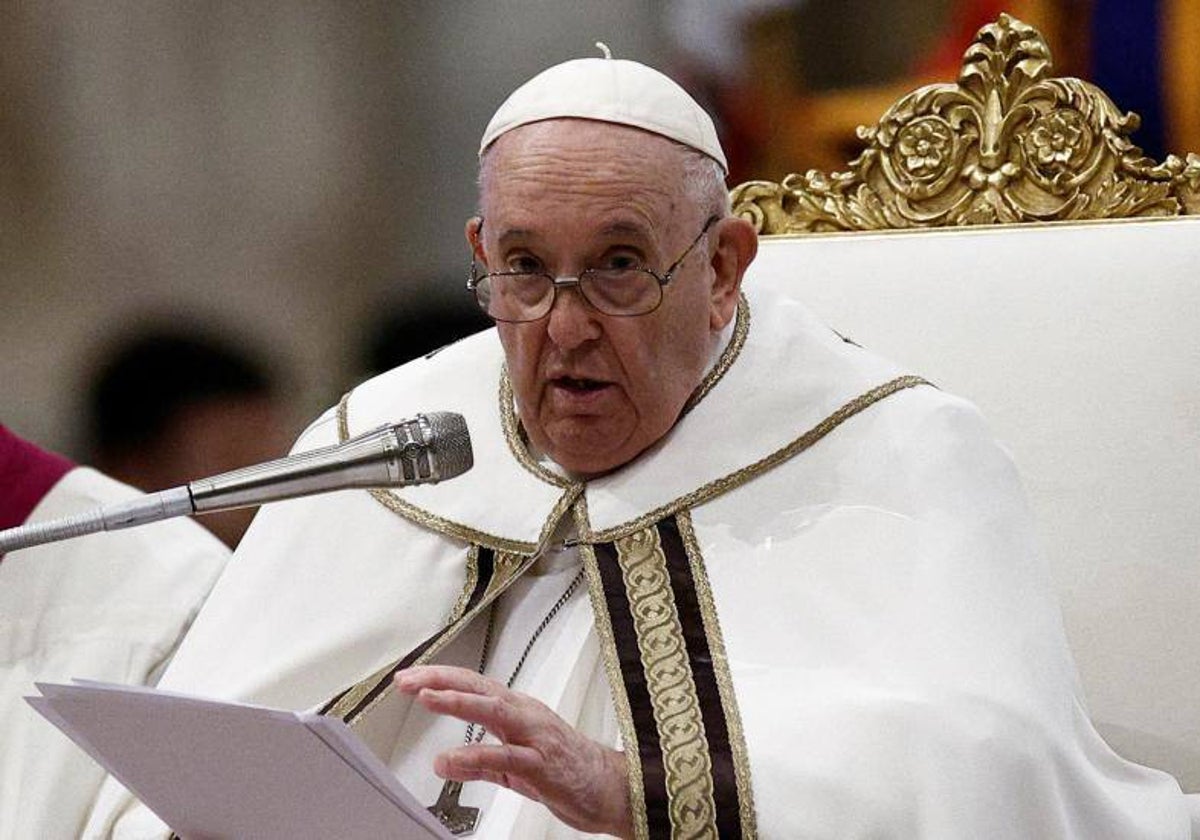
1079 339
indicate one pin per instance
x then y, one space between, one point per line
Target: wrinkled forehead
586 160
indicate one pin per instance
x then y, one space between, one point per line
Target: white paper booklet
212 769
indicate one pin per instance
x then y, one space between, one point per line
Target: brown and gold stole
682 732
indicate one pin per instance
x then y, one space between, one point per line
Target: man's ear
474 232
737 243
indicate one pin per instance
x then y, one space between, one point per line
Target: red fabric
27 473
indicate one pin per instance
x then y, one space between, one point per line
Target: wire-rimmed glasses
622 291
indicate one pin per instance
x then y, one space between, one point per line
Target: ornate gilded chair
1003 237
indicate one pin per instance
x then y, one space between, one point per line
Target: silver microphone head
450 442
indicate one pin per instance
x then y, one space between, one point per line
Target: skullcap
610 90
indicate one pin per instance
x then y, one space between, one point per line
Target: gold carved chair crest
1008 142
1078 341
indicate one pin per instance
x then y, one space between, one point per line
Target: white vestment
108 606
814 608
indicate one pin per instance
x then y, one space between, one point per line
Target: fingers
445 677
471 697
539 755
480 758
496 714
514 767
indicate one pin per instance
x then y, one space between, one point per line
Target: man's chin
588 467
588 455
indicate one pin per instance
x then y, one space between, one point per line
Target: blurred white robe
895 653
108 606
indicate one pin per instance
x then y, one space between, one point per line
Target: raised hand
582 782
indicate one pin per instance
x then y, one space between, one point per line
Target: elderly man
717 572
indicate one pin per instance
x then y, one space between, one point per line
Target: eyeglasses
623 291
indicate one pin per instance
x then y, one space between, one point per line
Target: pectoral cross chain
459 819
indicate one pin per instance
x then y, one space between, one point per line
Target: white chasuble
814 609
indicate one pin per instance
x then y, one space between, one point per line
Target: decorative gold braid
509 567
357 692
616 681
741 329
514 435
448 527
1007 143
470 580
575 491
671 685
414 514
736 479
518 441
720 664
366 685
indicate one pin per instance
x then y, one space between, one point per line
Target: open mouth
579 386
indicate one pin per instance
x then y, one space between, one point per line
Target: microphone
425 450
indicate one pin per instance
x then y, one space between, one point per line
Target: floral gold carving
1008 142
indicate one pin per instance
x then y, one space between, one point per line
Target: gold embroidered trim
470 580
360 690
518 442
411 512
616 681
514 435
720 664
671 685
508 568
575 491
448 527
741 329
736 479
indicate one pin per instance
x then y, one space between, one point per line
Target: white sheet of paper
212 769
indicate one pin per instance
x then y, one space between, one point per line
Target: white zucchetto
610 90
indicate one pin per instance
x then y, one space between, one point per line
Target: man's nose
572 320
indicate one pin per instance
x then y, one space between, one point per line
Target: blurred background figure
398 332
27 474
108 606
169 404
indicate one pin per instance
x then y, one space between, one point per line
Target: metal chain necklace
461 820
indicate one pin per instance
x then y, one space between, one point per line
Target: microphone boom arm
427 449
